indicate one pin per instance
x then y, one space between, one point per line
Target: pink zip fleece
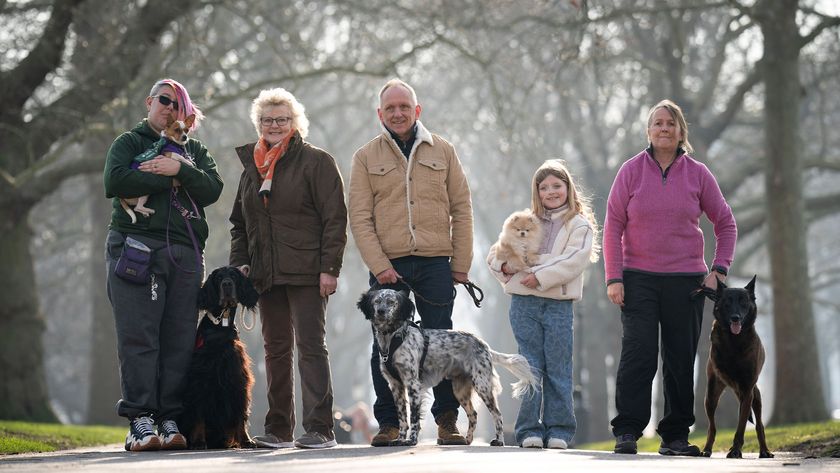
653 218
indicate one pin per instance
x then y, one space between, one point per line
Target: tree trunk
23 390
104 389
799 395
600 337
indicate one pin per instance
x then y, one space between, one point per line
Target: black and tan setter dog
735 361
217 396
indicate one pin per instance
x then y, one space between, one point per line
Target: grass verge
21 437
819 439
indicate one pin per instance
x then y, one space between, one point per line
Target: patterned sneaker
170 437
314 440
270 441
532 442
679 448
141 435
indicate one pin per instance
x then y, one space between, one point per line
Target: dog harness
396 340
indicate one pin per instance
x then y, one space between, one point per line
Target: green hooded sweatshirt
202 183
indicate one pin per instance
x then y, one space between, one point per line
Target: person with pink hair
155 266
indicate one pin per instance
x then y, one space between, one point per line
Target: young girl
541 306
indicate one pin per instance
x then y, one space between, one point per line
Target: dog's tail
519 367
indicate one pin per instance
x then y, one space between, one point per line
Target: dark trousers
155 325
296 316
431 277
651 302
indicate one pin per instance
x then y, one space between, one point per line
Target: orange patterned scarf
265 156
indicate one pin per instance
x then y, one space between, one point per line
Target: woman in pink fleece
653 257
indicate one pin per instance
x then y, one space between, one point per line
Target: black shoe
141 435
625 443
679 448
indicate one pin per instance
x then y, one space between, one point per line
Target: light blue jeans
544 331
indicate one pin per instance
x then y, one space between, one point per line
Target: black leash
473 290
706 291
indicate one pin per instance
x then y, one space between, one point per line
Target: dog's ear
719 292
208 295
364 304
406 307
750 287
189 121
245 291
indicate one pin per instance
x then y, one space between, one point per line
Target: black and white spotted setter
416 359
217 397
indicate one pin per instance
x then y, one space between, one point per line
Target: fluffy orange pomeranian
519 241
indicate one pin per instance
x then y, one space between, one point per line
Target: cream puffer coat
420 206
560 272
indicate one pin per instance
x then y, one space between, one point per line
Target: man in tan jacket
411 218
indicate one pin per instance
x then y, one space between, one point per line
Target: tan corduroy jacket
420 206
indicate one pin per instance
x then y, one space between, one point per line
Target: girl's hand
530 281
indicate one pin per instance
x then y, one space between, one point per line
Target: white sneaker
532 442
559 444
270 441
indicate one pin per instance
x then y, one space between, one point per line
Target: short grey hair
280 96
397 83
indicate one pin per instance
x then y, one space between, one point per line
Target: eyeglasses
166 101
281 121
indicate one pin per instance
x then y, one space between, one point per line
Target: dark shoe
625 443
141 435
170 437
386 436
679 448
447 431
314 440
270 441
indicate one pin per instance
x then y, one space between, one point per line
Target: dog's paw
403 443
765 454
497 443
734 453
706 453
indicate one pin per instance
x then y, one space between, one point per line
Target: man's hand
389 276
244 269
460 277
328 284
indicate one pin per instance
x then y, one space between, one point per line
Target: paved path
426 458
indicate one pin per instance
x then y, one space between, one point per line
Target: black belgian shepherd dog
217 396
735 360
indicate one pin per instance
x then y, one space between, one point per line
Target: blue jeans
544 331
432 278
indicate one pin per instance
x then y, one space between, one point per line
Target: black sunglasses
166 101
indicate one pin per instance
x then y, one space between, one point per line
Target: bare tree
799 394
47 106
